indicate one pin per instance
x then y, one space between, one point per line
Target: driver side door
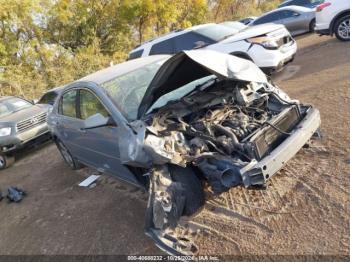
100 145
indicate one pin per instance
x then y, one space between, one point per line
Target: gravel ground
304 210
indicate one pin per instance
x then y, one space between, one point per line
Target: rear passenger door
66 123
293 21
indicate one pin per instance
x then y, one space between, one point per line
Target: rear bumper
15 142
271 164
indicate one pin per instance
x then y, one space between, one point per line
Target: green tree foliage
48 43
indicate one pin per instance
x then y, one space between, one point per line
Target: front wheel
342 28
68 158
192 185
6 161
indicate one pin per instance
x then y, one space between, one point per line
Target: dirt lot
305 209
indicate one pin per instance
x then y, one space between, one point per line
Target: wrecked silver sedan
168 124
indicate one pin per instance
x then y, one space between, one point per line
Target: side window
135 54
90 105
270 18
48 98
288 14
165 47
67 106
189 40
302 2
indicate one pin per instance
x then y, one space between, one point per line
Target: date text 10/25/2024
172 258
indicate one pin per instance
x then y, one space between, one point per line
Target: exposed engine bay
209 120
230 126
224 129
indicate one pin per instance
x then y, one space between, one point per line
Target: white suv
269 46
333 17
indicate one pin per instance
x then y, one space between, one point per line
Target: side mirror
97 120
199 44
34 101
295 14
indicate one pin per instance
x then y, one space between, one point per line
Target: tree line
48 43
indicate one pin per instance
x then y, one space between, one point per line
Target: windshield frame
118 103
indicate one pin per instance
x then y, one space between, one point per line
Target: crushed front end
236 133
234 128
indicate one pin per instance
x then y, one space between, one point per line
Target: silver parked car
167 123
297 19
304 3
21 123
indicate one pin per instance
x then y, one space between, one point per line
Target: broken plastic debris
15 194
87 182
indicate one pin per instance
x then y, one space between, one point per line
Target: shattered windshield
127 91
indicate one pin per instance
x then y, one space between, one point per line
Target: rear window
135 54
302 3
268 18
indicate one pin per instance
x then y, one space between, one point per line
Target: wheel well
335 19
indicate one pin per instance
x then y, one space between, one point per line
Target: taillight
322 6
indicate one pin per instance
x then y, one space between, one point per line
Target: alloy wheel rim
344 29
66 155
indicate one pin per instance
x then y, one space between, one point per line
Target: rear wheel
6 161
193 188
342 28
68 158
312 26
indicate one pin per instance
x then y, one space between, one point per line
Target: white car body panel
262 57
326 16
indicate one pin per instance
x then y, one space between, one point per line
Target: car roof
168 36
290 7
112 72
55 89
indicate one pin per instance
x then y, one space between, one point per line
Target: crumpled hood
254 31
188 66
